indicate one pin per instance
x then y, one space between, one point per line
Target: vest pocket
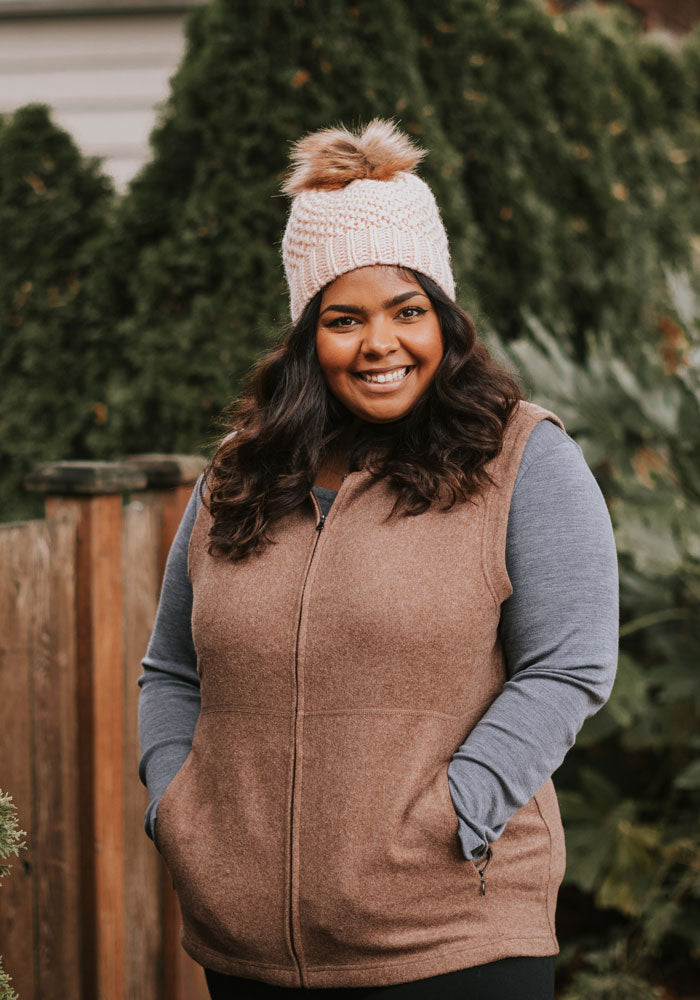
160 812
481 864
381 868
446 798
478 867
223 829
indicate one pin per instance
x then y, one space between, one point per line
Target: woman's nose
379 337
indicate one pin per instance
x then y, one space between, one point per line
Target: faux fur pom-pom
333 157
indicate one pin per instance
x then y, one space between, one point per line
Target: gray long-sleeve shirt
559 632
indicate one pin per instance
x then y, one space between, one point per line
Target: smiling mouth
394 377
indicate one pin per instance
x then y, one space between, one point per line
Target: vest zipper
480 871
293 945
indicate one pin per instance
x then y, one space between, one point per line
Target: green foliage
563 153
6 991
199 283
10 834
577 167
630 790
604 982
10 844
53 208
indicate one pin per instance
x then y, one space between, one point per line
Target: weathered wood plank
22 563
142 863
104 570
84 478
86 912
166 471
173 503
56 809
100 726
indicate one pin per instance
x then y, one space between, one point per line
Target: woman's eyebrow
389 304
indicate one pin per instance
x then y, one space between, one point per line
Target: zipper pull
321 522
482 870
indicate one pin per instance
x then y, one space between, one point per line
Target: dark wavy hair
288 422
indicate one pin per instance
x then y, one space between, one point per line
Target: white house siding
103 76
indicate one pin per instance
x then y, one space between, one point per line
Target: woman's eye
341 321
408 312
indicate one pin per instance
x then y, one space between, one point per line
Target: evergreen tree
576 165
53 208
198 280
563 173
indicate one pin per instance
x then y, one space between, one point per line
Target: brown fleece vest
310 834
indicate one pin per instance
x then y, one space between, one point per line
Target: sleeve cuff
473 846
150 822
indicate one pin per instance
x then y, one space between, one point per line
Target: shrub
53 210
562 168
10 844
630 790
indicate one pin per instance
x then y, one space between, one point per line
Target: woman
389 608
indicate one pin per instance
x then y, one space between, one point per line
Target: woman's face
375 320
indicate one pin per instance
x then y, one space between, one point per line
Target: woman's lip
381 371
385 386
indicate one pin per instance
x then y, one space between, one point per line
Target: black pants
523 978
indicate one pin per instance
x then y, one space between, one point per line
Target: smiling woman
389 607
379 353
382 370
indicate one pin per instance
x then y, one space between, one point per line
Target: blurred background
142 146
102 66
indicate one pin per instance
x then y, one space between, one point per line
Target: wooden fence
87 912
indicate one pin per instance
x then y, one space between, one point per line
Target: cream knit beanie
356 201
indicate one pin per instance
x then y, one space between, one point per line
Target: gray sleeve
559 630
169 699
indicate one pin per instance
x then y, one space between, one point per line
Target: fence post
173 476
169 485
91 492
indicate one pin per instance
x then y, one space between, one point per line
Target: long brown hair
287 422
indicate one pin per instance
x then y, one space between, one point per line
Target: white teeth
395 376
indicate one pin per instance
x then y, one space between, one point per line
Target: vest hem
278 975
380 974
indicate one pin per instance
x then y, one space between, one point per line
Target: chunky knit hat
356 201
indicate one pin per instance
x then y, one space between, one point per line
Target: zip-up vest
310 834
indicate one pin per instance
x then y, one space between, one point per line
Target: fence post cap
85 478
164 470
